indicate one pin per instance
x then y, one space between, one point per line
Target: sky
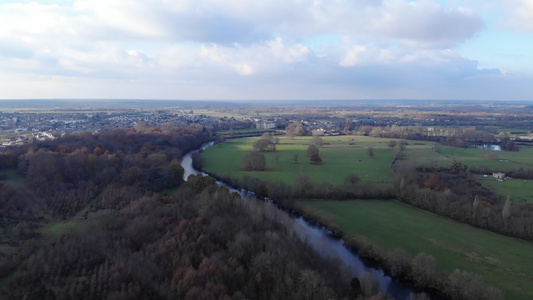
266 49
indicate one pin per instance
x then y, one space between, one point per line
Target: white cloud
354 56
237 48
519 15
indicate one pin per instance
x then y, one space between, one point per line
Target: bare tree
316 159
506 211
312 149
295 157
351 181
254 161
424 266
370 152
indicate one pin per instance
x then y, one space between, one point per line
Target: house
265 125
498 175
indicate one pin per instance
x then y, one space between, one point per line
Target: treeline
521 172
305 188
457 137
421 271
454 193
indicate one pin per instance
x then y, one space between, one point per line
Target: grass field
339 159
421 152
503 262
519 190
13 178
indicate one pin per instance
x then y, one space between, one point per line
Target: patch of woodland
202 243
453 192
89 171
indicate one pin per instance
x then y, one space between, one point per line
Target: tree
506 211
317 141
398 261
436 148
265 143
315 159
295 157
304 185
351 181
402 144
295 129
176 169
197 161
312 149
370 152
392 143
475 207
254 161
434 183
369 284
424 266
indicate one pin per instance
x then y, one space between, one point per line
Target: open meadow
341 156
504 262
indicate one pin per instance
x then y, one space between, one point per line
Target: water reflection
488 147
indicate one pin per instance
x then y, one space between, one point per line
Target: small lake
320 239
491 147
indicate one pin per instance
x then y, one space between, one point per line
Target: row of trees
453 192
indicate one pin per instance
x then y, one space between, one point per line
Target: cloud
239 21
518 15
240 49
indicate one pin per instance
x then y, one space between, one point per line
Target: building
498 175
265 125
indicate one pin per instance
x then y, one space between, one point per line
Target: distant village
17 128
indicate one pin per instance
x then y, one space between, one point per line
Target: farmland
347 154
341 156
502 261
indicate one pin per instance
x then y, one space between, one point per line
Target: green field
519 190
339 159
421 152
503 262
13 177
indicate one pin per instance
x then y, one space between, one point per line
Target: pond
491 147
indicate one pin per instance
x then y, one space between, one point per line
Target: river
320 239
